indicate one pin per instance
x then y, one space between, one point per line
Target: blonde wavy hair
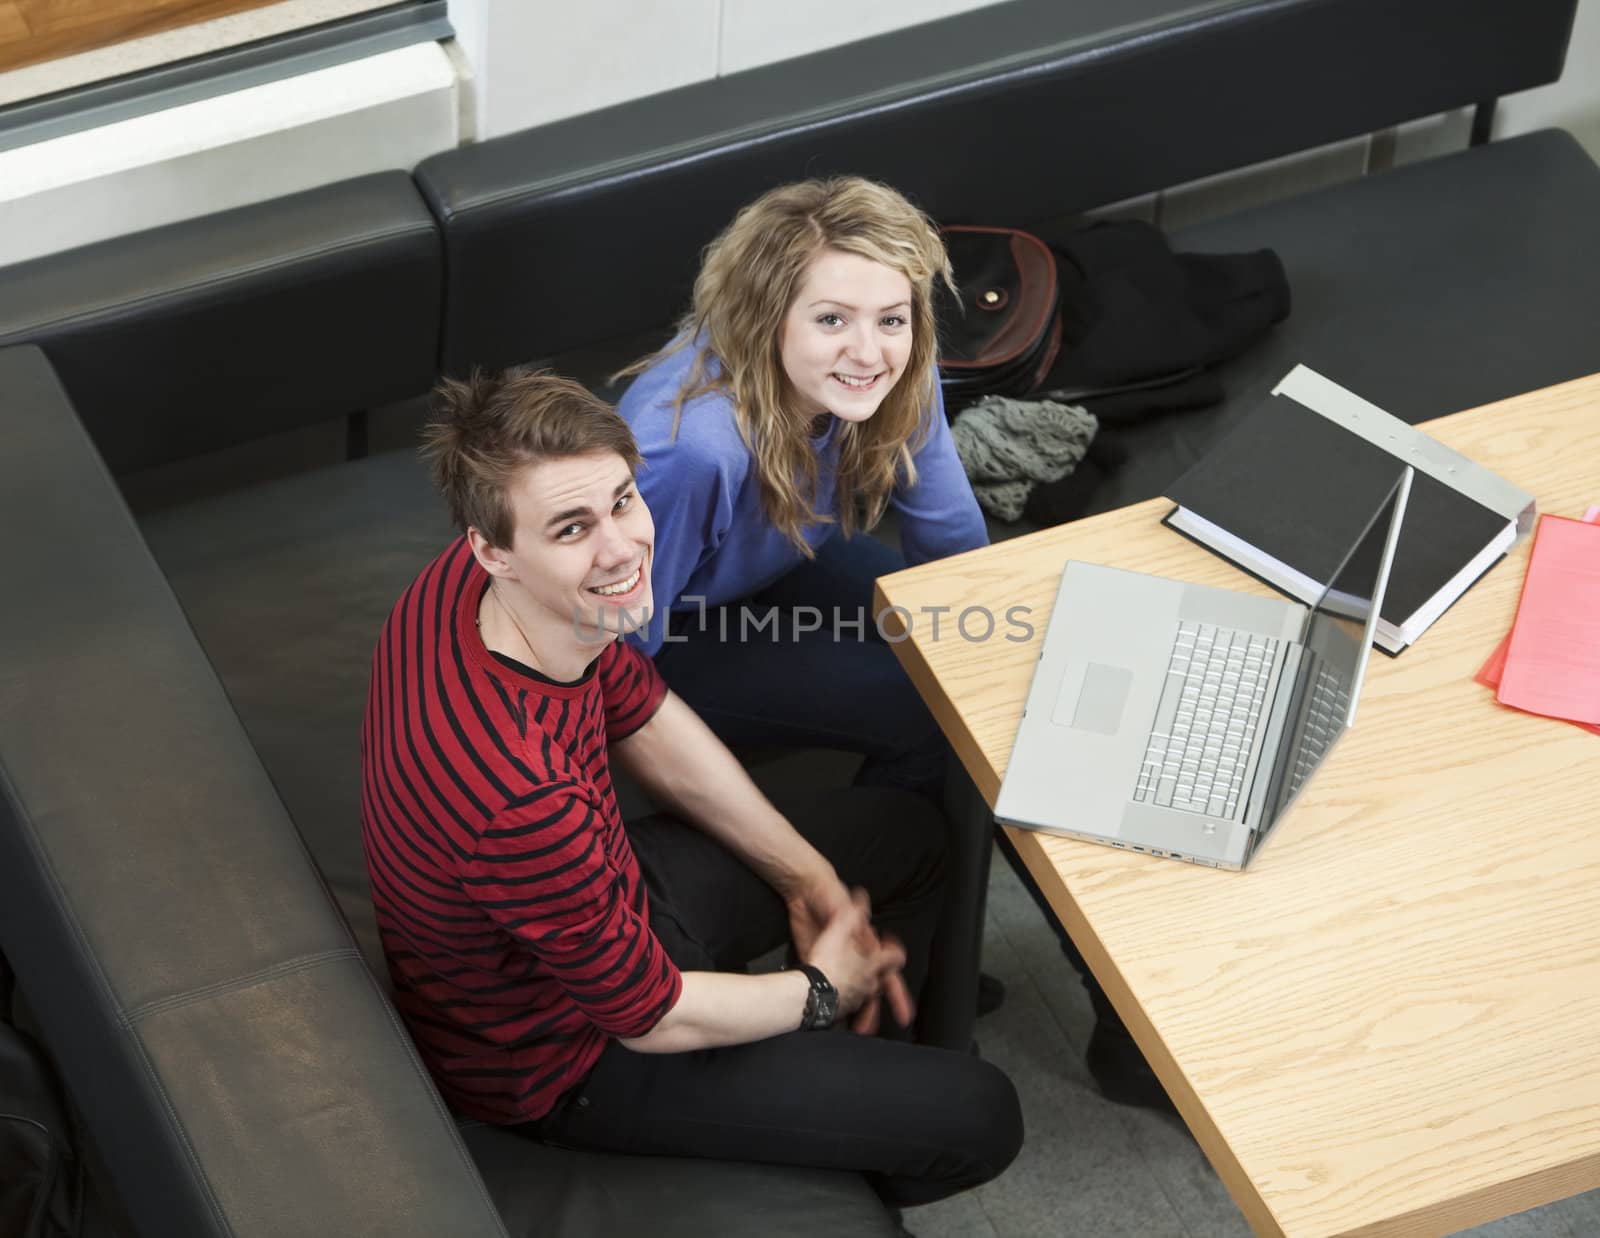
749 277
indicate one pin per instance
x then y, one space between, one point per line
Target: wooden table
1390 1024
35 30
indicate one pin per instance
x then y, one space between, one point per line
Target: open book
1295 482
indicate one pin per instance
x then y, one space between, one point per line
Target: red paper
1489 674
1552 663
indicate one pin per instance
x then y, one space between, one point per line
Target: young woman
796 406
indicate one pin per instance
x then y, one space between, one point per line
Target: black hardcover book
1289 491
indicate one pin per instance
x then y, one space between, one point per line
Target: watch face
822 1003
827 1006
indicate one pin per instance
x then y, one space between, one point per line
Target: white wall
538 60
535 61
757 32
385 111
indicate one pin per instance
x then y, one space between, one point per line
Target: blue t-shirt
713 540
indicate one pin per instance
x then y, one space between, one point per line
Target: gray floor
1090 1169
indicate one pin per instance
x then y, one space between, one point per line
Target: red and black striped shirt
509 901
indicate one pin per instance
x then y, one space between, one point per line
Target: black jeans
840 686
801 663
920 1121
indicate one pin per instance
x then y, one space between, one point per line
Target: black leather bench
192 337
235 1062
1008 114
234 1057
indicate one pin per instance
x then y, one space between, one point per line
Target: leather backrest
590 228
216 330
240 1071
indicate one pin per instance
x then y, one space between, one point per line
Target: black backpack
41 1178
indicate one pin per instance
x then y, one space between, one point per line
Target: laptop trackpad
1094 703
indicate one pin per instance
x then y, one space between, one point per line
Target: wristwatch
822 1003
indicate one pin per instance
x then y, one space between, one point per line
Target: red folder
1552 657
1489 673
1489 676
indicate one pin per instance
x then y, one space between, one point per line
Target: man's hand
862 967
812 906
892 989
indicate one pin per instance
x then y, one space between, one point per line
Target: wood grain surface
1390 1024
12 26
32 31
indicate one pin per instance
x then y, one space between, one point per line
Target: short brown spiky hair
485 430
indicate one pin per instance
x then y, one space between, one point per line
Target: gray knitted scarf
1007 446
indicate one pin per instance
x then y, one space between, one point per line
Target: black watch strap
822 1002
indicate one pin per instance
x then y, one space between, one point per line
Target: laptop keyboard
1330 703
1206 721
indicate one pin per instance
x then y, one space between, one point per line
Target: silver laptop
1181 720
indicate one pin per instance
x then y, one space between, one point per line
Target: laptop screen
1337 640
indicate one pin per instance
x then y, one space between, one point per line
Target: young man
576 977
